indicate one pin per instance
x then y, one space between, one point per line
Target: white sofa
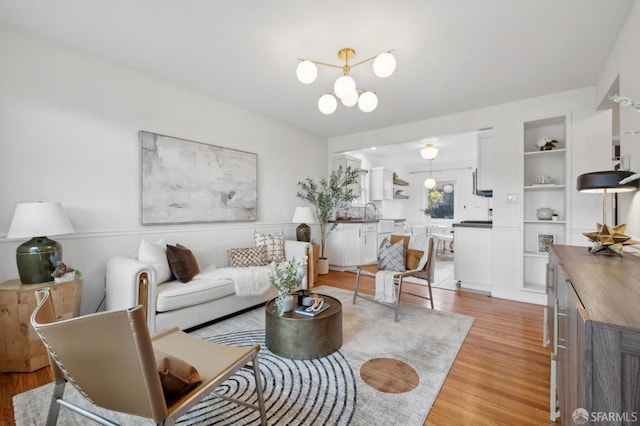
206 297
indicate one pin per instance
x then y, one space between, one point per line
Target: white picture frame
544 241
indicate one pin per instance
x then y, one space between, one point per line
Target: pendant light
430 182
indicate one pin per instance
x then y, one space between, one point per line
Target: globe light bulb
327 104
344 86
368 102
384 65
307 72
351 100
429 183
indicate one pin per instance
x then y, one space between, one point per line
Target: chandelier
344 87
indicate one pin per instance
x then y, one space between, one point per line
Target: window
440 200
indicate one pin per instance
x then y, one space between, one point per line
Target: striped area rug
322 391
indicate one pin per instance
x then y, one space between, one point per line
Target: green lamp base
37 259
303 232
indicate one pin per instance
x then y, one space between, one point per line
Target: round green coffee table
296 336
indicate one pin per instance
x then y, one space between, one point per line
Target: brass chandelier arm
371 58
322 63
346 61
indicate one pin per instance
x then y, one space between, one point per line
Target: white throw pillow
274 243
155 254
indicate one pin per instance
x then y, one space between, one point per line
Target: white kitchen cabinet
553 194
486 161
472 262
352 244
359 188
369 243
381 184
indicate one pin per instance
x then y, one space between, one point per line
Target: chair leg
430 294
398 299
256 374
355 291
54 407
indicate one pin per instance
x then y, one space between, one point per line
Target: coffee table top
334 306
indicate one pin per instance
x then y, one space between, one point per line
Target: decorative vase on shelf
544 213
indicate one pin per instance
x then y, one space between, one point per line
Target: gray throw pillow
391 256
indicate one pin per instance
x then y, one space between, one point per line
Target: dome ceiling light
429 152
345 87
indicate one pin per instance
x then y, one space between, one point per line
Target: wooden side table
316 256
20 347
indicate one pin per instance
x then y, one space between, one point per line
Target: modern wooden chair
109 358
425 271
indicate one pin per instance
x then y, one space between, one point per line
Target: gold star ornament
609 239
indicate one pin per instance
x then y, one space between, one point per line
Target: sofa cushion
183 263
248 256
155 255
175 295
274 243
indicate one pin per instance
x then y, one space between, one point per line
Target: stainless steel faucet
365 209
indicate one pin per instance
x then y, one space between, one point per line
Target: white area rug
323 391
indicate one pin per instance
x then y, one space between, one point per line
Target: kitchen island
472 262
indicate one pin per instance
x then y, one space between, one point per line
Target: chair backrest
107 356
424 243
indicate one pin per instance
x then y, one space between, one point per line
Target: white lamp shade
429 183
368 102
384 65
327 104
307 72
344 86
303 215
429 152
38 220
351 100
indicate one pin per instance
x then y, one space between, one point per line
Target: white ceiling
452 55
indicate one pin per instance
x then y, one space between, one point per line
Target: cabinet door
352 239
334 250
381 184
369 245
486 160
358 188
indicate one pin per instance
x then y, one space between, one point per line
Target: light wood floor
500 376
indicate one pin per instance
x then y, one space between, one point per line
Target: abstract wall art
183 181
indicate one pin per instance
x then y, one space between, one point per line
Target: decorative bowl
544 213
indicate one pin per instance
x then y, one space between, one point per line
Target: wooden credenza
593 320
20 347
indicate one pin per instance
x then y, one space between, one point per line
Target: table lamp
37 257
607 238
303 215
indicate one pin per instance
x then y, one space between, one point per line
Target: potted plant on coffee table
325 196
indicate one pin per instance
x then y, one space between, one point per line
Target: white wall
507 123
624 62
69 127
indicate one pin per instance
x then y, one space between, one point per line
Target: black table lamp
37 257
607 238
